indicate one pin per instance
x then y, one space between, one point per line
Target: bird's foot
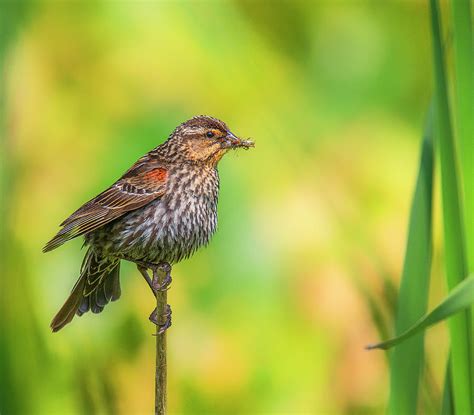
165 322
157 269
164 285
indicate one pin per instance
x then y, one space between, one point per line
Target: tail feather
67 311
98 284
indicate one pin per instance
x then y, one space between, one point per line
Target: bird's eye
209 134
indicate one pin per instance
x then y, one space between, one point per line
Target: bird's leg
160 284
158 287
144 272
154 283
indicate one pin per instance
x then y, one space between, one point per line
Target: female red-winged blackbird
159 212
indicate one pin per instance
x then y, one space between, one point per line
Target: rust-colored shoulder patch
158 174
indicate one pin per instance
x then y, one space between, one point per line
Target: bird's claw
154 318
165 284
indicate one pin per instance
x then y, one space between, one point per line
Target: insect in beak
231 141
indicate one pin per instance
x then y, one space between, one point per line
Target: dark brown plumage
160 211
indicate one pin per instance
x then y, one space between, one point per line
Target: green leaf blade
464 98
463 46
456 268
458 300
406 361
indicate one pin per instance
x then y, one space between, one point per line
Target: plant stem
160 367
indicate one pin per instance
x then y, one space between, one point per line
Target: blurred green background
273 316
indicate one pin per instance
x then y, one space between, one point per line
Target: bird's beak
231 141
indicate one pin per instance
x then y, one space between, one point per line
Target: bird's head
204 139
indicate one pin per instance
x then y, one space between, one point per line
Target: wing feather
140 185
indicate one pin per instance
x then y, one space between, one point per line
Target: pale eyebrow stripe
194 129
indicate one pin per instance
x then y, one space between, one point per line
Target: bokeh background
273 316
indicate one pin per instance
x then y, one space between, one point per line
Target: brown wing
144 182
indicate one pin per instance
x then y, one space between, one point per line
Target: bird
159 212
